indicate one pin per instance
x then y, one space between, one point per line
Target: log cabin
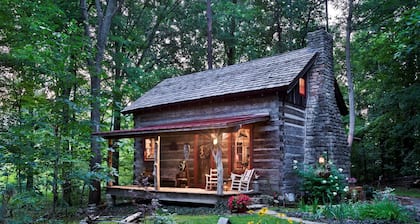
264 114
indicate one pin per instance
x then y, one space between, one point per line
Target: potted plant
239 203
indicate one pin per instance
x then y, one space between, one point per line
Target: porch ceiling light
215 141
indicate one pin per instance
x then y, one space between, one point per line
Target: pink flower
352 180
238 201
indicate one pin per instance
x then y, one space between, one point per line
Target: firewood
132 218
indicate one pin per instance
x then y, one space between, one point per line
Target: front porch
171 194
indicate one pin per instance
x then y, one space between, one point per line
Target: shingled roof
265 73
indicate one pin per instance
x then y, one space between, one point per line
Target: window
149 149
242 147
297 95
302 87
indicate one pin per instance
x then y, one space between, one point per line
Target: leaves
386 69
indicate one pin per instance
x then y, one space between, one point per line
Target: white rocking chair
211 179
241 182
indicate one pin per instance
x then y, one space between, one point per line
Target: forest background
68 68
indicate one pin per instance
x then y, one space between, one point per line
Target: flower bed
239 203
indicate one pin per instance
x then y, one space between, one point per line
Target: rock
223 220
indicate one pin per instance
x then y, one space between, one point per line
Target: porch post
196 159
109 158
217 154
156 165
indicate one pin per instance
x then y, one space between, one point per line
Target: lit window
302 88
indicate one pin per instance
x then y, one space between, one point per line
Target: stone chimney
324 129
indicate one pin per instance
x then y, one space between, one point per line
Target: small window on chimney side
302 87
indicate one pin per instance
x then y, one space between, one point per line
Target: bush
343 211
377 210
164 219
322 182
238 201
384 210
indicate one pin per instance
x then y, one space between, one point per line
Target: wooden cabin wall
267 151
293 128
172 153
251 104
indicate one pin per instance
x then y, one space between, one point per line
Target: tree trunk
231 44
277 29
350 76
95 69
326 15
29 179
217 154
209 36
66 168
116 102
55 185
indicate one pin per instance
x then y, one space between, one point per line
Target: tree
352 114
95 69
209 35
385 68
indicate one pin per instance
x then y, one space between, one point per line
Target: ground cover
407 192
234 219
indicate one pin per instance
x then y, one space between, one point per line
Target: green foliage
322 183
163 219
376 210
384 210
411 192
387 87
44 90
342 211
190 219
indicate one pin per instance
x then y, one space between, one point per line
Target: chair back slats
241 182
247 175
211 179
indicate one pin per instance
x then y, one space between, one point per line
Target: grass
412 192
234 219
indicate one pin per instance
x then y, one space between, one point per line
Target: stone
223 220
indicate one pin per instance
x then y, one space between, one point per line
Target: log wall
294 140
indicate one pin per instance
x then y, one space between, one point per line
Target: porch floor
172 194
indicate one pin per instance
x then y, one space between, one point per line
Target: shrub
322 182
377 210
384 210
386 194
343 211
164 219
238 201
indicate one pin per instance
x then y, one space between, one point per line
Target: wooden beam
196 159
229 152
251 146
157 164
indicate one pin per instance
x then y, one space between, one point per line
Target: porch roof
189 125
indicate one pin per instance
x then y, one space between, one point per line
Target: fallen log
132 218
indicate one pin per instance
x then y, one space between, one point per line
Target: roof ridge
245 62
